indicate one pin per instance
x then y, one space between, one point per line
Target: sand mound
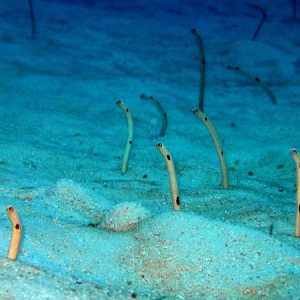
90 206
186 255
124 216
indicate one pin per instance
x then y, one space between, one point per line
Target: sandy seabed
91 232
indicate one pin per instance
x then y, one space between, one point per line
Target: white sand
90 232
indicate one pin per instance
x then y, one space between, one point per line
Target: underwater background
92 229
